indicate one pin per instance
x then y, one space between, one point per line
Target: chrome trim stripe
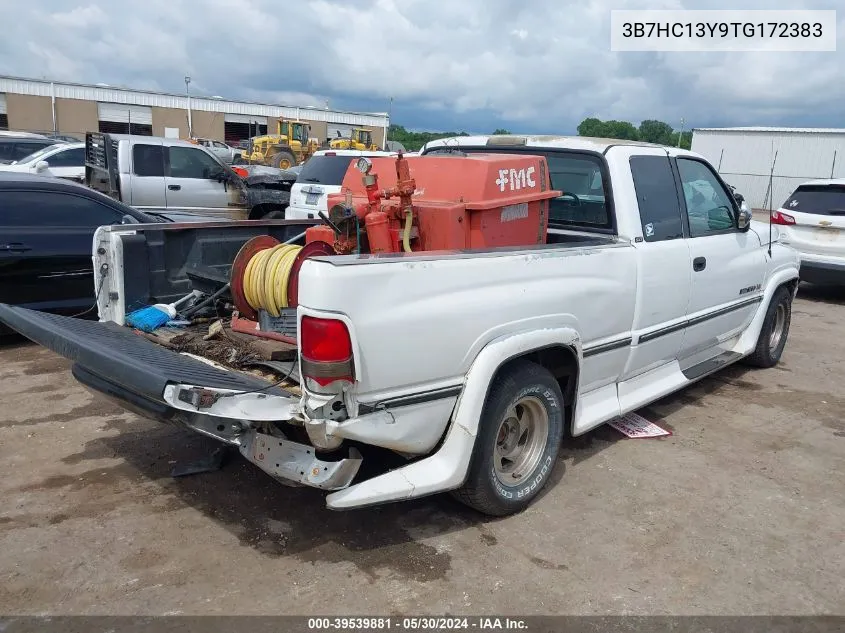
410 399
648 336
592 350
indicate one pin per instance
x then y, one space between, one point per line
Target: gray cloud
541 65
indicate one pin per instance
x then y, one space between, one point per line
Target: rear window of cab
580 176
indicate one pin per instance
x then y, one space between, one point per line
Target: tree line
412 141
650 131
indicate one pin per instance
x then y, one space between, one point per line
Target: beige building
36 105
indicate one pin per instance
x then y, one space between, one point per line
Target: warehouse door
240 127
338 130
4 119
122 118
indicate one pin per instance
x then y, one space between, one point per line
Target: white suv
812 221
321 175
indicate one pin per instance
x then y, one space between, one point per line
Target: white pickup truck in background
473 366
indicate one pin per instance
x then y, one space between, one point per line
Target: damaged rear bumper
295 463
290 463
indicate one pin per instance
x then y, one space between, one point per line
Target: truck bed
157 258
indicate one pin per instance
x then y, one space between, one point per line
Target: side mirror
42 165
128 219
743 221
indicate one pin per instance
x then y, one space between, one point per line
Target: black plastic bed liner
121 356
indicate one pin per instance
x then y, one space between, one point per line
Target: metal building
37 105
744 157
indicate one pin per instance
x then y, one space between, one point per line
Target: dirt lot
741 511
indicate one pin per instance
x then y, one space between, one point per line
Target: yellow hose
266 278
406 234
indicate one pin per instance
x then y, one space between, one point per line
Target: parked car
67 138
224 152
46 229
65 160
17 145
474 365
319 176
164 174
812 221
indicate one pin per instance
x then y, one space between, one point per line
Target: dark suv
15 146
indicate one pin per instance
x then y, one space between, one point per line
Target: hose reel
265 275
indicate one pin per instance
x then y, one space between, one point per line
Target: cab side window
187 162
148 160
657 198
709 207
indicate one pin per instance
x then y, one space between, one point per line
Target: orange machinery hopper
460 202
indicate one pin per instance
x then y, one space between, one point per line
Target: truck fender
748 341
447 468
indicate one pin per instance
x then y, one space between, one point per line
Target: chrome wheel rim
777 327
520 440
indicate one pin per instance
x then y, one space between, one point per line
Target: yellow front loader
360 140
291 146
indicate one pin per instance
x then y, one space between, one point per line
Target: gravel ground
740 511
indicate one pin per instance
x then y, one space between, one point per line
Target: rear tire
774 332
519 436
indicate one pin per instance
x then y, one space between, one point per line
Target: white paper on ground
636 426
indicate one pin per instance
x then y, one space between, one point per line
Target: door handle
174 187
15 247
699 264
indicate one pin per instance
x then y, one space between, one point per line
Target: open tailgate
121 357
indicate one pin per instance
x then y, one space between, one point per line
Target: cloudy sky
527 65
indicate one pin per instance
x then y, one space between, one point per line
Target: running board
711 365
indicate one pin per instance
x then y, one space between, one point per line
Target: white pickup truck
473 366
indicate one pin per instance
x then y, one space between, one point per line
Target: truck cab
156 174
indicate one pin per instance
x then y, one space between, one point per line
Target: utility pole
681 133
188 94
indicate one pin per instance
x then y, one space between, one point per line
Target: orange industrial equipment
436 203
446 204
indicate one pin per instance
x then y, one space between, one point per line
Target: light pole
188 94
387 125
681 133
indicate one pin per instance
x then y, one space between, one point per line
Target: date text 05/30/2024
416 624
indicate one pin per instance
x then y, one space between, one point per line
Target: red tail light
784 219
325 351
